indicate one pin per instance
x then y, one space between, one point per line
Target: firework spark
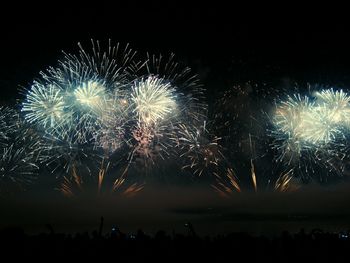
21 151
17 166
201 152
7 127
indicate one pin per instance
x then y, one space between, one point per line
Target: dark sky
223 42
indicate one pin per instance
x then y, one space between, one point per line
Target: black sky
223 42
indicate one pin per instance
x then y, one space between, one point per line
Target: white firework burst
45 106
153 99
302 122
312 135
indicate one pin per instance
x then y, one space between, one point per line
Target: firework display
107 105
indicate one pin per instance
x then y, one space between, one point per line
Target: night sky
225 45
223 42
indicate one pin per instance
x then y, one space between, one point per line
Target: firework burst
304 122
154 100
310 133
45 106
166 97
189 91
91 94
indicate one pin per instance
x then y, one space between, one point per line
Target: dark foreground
164 247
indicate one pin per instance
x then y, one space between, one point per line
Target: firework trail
228 184
77 183
284 183
253 176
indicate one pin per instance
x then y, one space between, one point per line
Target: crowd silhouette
118 246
